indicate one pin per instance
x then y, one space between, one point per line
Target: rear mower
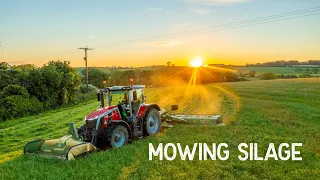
126 117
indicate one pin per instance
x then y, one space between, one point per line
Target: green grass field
256 111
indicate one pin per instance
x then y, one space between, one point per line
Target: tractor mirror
98 96
174 107
135 95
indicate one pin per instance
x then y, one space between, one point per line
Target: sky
37 31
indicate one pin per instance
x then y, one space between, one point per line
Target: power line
86 59
207 30
2 59
239 24
219 26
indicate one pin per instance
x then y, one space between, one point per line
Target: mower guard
192 119
65 148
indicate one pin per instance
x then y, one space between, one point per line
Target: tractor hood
95 114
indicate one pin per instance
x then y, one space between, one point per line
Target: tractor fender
121 122
143 109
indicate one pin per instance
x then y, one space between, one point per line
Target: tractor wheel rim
119 138
153 124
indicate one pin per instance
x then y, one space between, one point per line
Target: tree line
27 89
283 63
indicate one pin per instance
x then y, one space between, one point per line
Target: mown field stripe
54 125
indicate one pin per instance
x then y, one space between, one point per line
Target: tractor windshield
117 97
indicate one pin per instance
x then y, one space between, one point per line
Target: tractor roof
121 88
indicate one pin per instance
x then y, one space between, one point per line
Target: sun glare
196 62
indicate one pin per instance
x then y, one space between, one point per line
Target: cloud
182 24
91 37
215 2
200 11
173 14
162 43
155 9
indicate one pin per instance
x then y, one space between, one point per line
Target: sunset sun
196 62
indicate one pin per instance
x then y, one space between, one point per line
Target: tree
11 90
24 67
54 84
70 81
8 77
96 77
16 102
267 76
4 65
115 78
127 75
18 106
230 77
315 70
308 71
298 70
14 106
168 63
45 85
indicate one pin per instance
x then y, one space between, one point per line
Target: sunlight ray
221 69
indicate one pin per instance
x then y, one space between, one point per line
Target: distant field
255 111
275 70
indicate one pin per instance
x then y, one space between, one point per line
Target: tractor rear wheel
117 136
152 123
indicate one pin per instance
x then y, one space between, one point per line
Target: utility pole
86 59
1 52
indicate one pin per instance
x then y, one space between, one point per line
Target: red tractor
125 117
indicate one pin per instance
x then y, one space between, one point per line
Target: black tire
152 123
117 136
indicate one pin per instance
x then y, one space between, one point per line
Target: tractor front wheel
152 124
118 136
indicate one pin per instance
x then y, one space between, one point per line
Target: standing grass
274 70
259 111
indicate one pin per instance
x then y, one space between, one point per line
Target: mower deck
192 119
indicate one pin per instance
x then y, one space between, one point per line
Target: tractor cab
128 99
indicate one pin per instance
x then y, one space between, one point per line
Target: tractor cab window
137 100
118 97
